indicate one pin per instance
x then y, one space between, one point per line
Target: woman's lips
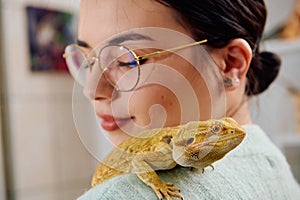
109 123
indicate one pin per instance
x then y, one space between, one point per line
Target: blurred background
41 155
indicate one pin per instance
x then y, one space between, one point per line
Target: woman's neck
240 112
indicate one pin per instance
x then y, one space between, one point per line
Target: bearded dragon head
199 144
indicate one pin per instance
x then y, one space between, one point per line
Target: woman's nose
98 88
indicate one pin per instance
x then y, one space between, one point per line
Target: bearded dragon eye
216 129
167 139
190 141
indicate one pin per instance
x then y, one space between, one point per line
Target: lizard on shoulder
196 144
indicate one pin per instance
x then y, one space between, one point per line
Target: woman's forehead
100 20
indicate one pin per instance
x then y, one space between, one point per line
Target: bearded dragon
195 144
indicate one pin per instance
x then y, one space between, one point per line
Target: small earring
229 82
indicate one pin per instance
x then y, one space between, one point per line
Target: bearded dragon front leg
160 188
145 164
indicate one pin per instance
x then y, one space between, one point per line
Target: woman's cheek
155 104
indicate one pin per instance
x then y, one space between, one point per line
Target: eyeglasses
119 64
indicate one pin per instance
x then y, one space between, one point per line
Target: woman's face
153 104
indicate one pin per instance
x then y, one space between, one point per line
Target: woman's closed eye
131 64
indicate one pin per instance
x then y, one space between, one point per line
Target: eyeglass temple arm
168 50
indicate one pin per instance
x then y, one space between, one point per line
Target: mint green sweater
256 169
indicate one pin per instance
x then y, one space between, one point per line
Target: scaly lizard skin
196 144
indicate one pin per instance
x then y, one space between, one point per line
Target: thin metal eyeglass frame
91 61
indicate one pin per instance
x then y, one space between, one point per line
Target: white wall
49 160
278 12
2 180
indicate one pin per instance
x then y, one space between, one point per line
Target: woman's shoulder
229 180
256 143
129 186
126 186
253 170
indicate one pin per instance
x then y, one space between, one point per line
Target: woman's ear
233 61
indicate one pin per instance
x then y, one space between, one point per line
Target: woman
216 73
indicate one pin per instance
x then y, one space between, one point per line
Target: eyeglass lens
117 63
120 67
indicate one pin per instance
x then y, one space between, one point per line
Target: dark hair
223 20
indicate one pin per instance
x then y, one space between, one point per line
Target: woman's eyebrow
130 36
83 44
118 40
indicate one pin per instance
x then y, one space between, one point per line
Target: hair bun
262 72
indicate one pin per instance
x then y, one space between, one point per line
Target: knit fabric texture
256 169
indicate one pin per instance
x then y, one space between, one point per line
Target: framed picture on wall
49 31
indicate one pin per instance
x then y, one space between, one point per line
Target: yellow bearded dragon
195 144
